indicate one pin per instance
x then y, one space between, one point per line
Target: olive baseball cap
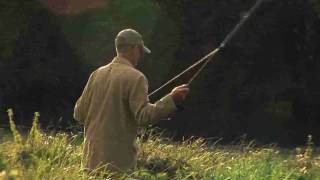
131 37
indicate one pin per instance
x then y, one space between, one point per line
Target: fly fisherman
114 103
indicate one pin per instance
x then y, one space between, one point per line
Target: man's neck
126 58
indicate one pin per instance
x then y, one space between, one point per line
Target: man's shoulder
127 72
135 73
102 67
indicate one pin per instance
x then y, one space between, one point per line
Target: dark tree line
264 84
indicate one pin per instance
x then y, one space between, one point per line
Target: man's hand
179 93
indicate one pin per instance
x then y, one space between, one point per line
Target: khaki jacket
113 104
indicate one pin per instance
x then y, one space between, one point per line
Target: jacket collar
121 60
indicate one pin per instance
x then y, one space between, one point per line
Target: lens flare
65 7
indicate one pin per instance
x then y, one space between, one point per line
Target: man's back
112 106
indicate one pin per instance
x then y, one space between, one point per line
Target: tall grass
40 155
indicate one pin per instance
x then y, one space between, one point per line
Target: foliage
35 135
264 84
316 5
46 59
59 156
16 135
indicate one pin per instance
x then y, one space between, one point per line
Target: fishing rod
206 59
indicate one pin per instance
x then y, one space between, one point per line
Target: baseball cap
131 37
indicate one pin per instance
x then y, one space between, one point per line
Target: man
114 103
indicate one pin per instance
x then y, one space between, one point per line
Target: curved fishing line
210 56
186 70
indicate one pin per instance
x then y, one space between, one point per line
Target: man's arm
144 112
82 104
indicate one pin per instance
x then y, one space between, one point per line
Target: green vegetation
40 155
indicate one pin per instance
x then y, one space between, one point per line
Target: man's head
129 44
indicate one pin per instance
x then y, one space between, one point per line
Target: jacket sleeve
82 104
144 112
